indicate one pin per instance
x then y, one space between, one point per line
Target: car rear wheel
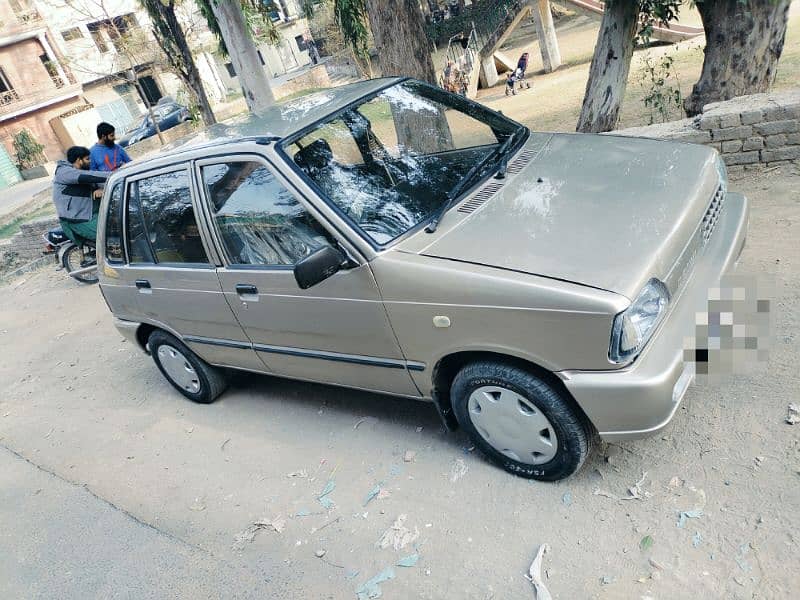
521 422
187 372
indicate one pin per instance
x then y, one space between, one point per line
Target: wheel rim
75 259
178 369
512 425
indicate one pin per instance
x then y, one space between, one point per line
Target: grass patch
11 228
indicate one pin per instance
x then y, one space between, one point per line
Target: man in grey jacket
76 193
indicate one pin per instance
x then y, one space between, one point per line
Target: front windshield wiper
471 175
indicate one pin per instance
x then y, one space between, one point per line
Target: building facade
67 64
36 85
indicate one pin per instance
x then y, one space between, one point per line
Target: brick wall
27 245
757 129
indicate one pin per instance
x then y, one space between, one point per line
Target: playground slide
673 34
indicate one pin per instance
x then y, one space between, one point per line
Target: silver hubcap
178 369
512 425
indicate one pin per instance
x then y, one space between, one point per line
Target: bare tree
172 40
133 48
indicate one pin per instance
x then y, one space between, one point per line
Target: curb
31 266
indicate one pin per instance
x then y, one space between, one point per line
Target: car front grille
712 214
682 269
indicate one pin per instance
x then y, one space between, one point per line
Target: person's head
106 134
524 55
78 157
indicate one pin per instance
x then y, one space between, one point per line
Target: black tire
211 380
74 259
574 433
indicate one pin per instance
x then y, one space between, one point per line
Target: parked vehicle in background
168 115
394 237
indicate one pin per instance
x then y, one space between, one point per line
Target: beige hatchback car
390 236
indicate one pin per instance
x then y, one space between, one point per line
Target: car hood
608 212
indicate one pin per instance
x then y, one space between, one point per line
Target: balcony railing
8 97
13 101
28 16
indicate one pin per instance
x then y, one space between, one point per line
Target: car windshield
391 162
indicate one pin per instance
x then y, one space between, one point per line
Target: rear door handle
246 289
143 284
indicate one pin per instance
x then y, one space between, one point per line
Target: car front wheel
187 372
520 421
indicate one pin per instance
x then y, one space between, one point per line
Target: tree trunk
178 54
243 54
399 31
744 41
608 76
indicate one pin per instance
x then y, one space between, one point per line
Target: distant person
511 82
522 66
77 192
106 154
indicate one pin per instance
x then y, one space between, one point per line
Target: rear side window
166 220
138 247
114 226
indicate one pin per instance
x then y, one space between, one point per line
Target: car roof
279 120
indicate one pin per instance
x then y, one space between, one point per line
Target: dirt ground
81 409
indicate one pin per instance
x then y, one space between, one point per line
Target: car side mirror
319 266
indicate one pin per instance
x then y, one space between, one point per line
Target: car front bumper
641 399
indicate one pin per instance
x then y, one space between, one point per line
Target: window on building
230 69
301 42
96 32
72 34
7 92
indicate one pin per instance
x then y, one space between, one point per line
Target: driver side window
259 221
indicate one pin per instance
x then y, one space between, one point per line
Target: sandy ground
554 102
114 486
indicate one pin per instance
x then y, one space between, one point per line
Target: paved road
60 540
14 198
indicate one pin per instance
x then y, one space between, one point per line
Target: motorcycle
79 260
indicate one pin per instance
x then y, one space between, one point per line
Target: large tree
608 75
398 27
624 22
171 38
228 20
744 41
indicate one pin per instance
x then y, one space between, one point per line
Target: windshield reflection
389 162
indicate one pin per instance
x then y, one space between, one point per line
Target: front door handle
143 284
246 289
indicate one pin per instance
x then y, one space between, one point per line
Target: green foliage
256 15
652 12
213 26
351 19
27 151
662 90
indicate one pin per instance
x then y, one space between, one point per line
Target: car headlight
634 326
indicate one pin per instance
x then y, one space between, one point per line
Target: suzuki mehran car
393 237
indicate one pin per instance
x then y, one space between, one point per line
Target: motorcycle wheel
74 258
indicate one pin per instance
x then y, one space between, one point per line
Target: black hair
104 129
75 153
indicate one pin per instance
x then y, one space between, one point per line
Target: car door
335 332
173 269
